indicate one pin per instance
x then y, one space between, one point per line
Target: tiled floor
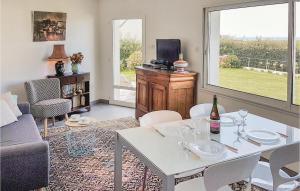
108 112
100 112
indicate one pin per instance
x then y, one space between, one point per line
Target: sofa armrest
25 166
24 107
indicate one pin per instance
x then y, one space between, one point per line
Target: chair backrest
44 89
203 110
280 158
156 117
222 174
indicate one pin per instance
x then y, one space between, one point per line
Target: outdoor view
127 54
251 47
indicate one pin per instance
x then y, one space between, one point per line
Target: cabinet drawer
67 80
84 77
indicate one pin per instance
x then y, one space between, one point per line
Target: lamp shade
58 53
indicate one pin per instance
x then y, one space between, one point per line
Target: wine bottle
215 117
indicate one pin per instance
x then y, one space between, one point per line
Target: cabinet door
158 97
181 97
142 95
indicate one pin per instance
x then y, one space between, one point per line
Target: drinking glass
184 135
238 123
201 129
243 114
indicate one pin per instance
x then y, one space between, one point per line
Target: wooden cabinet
164 90
76 87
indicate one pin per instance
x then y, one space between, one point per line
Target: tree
230 61
128 47
135 59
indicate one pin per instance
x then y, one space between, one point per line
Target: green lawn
129 75
259 83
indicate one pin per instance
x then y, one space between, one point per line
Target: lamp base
59 68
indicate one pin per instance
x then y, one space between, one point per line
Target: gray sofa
24 155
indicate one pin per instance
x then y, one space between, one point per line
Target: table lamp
59 55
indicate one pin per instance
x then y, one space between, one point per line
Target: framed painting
49 26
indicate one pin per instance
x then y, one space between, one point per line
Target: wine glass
238 123
201 129
184 135
243 114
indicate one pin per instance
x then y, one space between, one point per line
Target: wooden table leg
66 117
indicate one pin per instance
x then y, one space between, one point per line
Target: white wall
170 19
22 59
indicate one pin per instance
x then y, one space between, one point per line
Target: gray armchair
45 102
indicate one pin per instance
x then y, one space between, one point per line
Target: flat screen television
168 50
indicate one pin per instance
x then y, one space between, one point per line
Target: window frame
115 86
288 105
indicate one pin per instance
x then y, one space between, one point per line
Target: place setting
254 135
194 136
76 120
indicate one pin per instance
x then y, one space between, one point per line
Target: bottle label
213 114
215 125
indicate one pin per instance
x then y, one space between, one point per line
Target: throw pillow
8 97
7 116
15 98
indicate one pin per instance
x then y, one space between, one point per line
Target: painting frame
49 26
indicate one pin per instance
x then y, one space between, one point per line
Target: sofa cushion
51 108
22 131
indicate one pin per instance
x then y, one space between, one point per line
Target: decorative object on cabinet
76 59
59 55
180 64
164 90
76 87
49 26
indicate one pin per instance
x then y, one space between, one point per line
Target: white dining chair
217 177
156 117
153 118
203 110
270 176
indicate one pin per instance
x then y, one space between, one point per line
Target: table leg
168 183
118 164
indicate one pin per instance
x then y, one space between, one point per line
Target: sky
132 28
263 21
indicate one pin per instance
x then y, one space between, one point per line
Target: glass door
127 54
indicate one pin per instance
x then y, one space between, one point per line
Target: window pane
248 50
127 50
297 64
124 95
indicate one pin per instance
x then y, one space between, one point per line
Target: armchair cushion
51 108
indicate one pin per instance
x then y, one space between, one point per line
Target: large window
249 51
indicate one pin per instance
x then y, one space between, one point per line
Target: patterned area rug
95 171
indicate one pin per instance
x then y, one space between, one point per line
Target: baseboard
99 101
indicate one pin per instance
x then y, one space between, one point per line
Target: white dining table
166 158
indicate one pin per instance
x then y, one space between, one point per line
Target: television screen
168 50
